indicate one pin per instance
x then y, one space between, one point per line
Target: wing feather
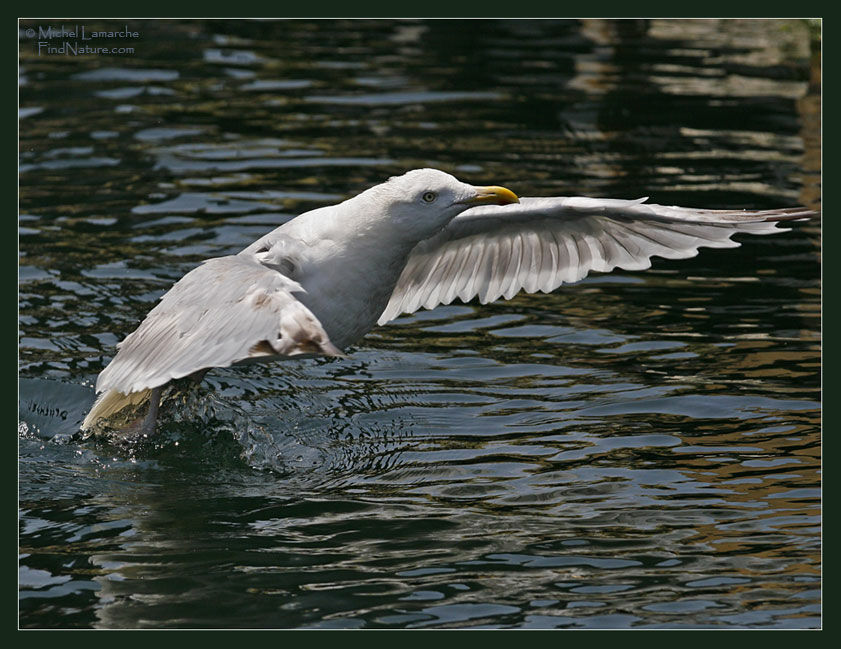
541 243
227 310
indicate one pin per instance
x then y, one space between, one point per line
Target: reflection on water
639 450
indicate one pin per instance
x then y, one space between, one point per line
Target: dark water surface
639 450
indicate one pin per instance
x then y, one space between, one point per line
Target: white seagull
324 279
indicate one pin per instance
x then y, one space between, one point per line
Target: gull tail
111 402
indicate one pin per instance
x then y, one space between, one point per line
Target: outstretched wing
227 310
540 243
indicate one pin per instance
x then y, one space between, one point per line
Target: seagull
321 281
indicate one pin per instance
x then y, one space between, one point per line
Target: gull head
423 201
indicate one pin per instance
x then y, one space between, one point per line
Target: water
639 450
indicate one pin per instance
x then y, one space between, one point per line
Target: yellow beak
493 195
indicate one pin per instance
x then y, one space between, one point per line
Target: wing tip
110 403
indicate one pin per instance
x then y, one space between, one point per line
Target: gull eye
429 197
